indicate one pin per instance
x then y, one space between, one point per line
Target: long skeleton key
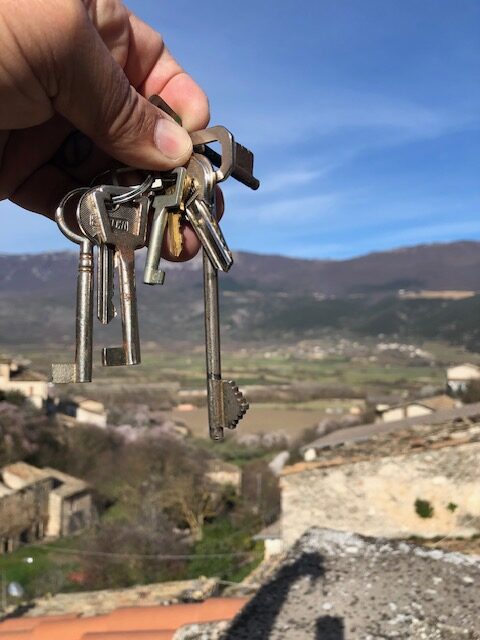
81 369
124 228
226 404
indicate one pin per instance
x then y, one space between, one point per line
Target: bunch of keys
114 218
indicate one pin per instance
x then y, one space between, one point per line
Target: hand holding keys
114 219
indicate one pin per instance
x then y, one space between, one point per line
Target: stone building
37 503
82 410
415 408
14 377
24 513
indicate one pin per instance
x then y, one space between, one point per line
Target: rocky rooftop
337 586
391 442
94 603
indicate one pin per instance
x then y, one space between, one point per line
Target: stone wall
378 497
77 513
24 515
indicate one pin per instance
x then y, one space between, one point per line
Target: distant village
37 504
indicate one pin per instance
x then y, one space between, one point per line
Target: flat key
163 202
210 235
123 227
200 213
129 353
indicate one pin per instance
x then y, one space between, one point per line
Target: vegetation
423 508
159 515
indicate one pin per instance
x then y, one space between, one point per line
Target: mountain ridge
263 297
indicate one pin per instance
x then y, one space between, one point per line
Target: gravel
341 586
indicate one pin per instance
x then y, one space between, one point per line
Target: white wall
377 497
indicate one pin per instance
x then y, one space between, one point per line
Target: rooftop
336 585
70 485
132 623
95 406
95 603
441 428
26 472
29 474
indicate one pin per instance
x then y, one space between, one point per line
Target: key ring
60 218
137 191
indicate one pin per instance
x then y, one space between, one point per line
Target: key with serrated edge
124 228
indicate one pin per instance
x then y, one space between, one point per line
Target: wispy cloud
386 120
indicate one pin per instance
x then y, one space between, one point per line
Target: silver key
226 404
81 369
162 204
123 227
200 215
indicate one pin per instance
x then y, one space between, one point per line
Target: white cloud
394 121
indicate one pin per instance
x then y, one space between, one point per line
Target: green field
185 366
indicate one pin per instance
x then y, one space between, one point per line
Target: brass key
174 233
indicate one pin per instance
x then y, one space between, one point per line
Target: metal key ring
139 190
60 218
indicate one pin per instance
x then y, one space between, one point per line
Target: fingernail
171 139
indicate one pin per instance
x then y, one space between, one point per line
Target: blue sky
364 117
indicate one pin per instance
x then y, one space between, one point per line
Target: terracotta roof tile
128 623
131 635
21 624
175 615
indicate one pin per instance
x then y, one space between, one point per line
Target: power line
139 556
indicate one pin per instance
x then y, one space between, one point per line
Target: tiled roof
128 623
70 485
26 472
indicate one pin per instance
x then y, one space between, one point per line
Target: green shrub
423 508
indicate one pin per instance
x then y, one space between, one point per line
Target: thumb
95 95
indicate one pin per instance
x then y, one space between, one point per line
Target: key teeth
234 402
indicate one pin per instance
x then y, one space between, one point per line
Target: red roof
128 623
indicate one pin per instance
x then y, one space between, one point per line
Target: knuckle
126 120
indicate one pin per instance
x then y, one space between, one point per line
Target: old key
226 404
81 369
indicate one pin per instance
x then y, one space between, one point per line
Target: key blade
105 308
64 373
210 235
235 405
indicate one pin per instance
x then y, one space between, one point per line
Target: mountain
263 296
434 266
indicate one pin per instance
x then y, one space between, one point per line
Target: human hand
86 65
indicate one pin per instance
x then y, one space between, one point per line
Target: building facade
41 503
34 386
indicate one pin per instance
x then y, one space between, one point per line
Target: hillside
263 297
